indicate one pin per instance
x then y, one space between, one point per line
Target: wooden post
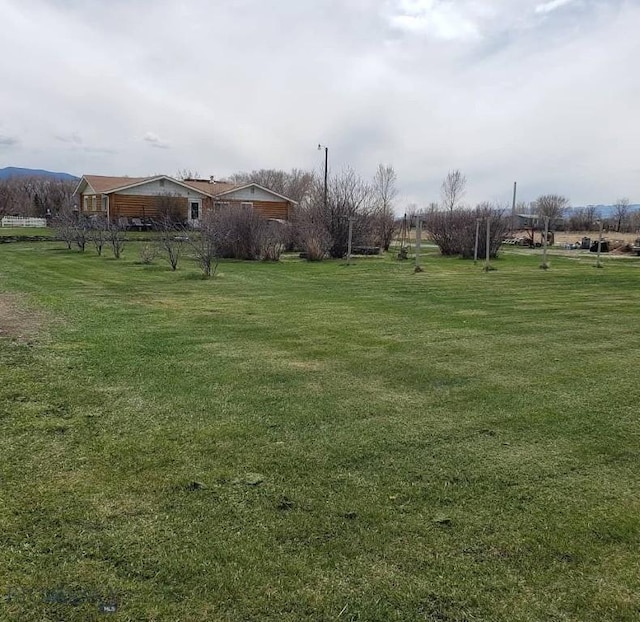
598 264
545 265
475 250
418 268
487 266
350 237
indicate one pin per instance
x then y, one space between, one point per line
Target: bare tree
64 226
384 191
171 242
591 215
453 189
621 213
206 243
187 173
117 238
349 198
98 233
295 184
35 196
551 206
81 229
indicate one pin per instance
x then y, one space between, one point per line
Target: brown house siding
146 206
272 209
137 206
268 209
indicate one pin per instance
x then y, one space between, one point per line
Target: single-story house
145 197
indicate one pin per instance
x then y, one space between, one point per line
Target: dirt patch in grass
17 320
572 237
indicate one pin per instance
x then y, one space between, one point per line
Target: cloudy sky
545 92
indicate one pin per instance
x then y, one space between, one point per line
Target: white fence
19 221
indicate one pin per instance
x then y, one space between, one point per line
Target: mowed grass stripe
451 445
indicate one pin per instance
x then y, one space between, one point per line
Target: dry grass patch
17 320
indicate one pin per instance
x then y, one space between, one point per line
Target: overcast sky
546 92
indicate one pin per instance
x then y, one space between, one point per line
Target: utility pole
513 207
326 172
475 250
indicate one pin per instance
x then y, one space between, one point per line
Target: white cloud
553 5
155 141
441 20
488 86
7 141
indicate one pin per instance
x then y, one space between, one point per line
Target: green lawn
302 441
28 231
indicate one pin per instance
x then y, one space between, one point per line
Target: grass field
29 231
326 442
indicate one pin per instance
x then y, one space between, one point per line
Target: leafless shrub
81 227
242 232
63 224
349 199
311 236
116 235
273 241
206 244
454 231
171 242
97 233
171 210
147 253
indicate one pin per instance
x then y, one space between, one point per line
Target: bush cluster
454 231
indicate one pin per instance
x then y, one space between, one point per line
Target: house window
85 203
94 203
104 204
195 210
162 183
220 205
246 205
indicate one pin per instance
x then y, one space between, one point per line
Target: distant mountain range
12 171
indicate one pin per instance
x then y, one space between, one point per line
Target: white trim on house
158 178
254 185
190 205
84 181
